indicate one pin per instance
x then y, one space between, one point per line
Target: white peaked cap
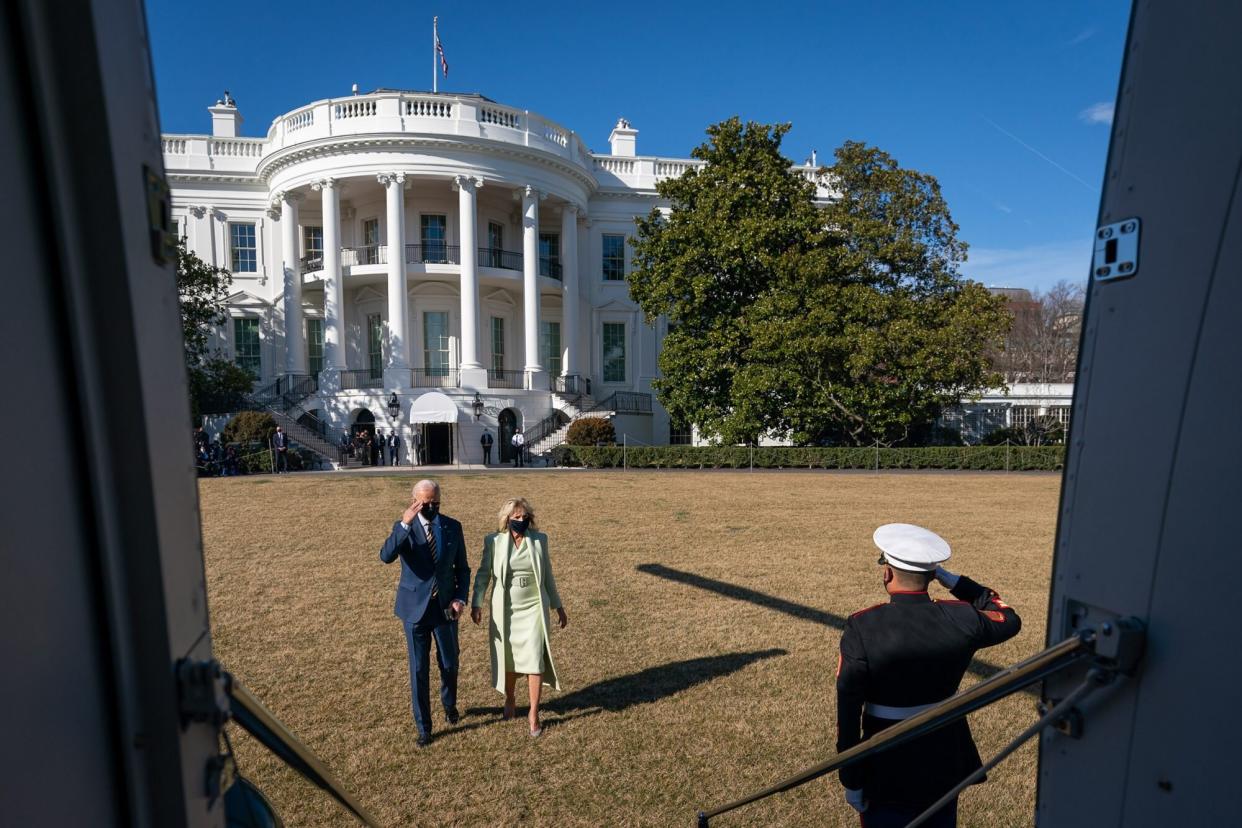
912 548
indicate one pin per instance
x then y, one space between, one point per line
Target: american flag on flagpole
440 51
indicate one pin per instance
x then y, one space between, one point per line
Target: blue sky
1008 104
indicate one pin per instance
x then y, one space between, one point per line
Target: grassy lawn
705 610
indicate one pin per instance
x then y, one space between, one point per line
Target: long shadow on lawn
741 593
645 686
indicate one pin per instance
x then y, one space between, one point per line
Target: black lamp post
394 406
478 406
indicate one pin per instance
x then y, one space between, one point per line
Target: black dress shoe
424 739
452 715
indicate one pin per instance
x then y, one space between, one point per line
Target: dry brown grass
676 696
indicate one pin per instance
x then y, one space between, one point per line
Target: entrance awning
433 407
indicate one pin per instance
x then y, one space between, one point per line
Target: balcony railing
504 259
362 378
435 378
367 254
377 254
506 379
550 266
434 253
571 385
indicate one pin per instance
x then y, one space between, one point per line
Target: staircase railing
285 391
569 385
332 436
548 425
623 402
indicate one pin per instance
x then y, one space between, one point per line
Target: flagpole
435 40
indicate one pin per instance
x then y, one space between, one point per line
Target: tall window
375 345
370 241
436 343
314 345
312 245
498 346
242 247
679 433
434 233
550 255
614 257
176 229
550 347
495 243
614 352
246 344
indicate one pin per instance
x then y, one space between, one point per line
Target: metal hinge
1116 250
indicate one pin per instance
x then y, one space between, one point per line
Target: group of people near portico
897 659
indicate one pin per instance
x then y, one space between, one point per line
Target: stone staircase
573 408
329 455
283 400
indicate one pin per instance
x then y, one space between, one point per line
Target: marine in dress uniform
900 658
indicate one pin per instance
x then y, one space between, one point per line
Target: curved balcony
435 254
452 116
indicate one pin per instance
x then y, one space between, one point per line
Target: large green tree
216 383
846 323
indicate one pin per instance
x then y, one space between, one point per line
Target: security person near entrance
487 440
900 658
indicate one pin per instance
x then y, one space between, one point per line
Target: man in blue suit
431 595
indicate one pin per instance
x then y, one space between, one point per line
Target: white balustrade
616 166
362 108
499 117
236 147
428 108
299 120
174 146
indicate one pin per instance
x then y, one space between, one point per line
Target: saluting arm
997 620
851 694
392 547
484 574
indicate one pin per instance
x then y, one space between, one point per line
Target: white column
333 284
295 341
398 329
530 281
468 221
569 272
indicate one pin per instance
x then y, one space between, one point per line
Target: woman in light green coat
516 559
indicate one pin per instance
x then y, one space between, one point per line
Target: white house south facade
411 244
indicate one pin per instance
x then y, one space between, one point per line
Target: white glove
854 798
946 578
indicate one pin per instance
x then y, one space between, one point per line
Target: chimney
623 139
225 119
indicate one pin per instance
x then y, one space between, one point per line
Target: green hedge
978 458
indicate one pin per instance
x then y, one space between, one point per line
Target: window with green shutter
614 351
314 345
550 347
246 345
614 257
375 345
498 346
436 343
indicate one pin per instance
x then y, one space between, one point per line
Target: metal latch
202 692
159 216
1116 250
